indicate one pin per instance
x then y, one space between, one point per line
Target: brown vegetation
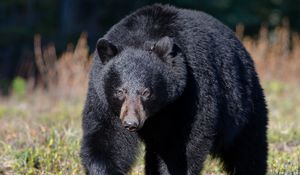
276 55
66 75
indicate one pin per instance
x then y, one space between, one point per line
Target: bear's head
141 81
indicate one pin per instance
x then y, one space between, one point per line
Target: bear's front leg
108 155
107 148
196 153
154 165
167 161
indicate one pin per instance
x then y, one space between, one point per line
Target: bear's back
150 23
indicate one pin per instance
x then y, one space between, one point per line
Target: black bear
180 82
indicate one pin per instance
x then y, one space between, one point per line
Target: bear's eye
146 93
120 93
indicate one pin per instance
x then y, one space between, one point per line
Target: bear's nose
130 125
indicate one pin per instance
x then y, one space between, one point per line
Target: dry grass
276 53
66 76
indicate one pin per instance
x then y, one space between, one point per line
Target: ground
41 135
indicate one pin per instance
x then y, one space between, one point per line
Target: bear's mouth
132 124
133 127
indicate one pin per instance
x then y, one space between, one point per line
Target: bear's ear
166 47
106 50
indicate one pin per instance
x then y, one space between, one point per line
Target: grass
39 139
41 135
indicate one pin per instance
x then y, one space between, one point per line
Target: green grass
40 135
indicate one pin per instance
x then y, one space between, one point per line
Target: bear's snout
132 114
131 123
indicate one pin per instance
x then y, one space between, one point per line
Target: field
40 127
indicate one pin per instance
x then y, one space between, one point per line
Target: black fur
206 97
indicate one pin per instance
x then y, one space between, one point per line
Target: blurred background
46 49
61 22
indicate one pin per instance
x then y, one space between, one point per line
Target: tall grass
276 54
64 76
